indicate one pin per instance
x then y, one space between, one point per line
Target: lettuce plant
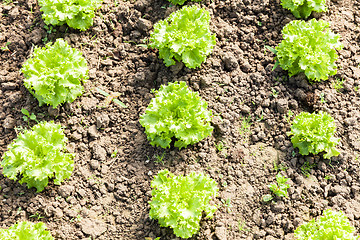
176 112
332 225
26 230
54 74
314 133
178 201
181 2
184 36
303 8
77 14
308 47
37 155
279 188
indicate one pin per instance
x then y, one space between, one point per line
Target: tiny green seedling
274 93
5 48
37 216
227 204
28 117
338 84
289 116
111 98
114 153
245 126
220 146
322 98
306 168
279 188
160 158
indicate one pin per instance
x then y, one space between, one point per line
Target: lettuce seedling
176 112
184 36
181 2
314 133
37 155
178 201
26 230
54 74
76 14
332 225
308 47
279 188
303 8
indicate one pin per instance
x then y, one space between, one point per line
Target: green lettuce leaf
309 47
37 155
178 201
176 112
184 36
181 2
314 133
26 230
77 14
303 8
332 225
54 74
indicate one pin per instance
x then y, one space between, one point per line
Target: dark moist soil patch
107 195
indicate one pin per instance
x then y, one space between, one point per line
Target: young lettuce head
176 112
184 36
54 74
178 201
26 230
309 47
37 155
332 225
76 14
314 133
303 8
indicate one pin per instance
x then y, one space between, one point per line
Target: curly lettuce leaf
314 133
178 201
37 155
26 230
176 112
184 36
309 47
332 225
54 74
303 8
77 14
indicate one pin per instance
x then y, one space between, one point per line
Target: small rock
99 153
230 62
94 164
53 112
245 109
9 85
92 131
66 190
58 213
177 67
282 105
350 121
93 227
144 25
220 233
278 207
9 123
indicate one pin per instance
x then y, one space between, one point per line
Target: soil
107 195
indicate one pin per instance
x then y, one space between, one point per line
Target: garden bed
108 193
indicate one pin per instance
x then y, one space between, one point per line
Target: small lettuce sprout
26 230
54 74
303 8
308 47
76 14
176 112
332 225
314 133
178 201
279 188
184 36
37 155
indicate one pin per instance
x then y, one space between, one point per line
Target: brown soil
107 196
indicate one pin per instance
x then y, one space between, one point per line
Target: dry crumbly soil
107 195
